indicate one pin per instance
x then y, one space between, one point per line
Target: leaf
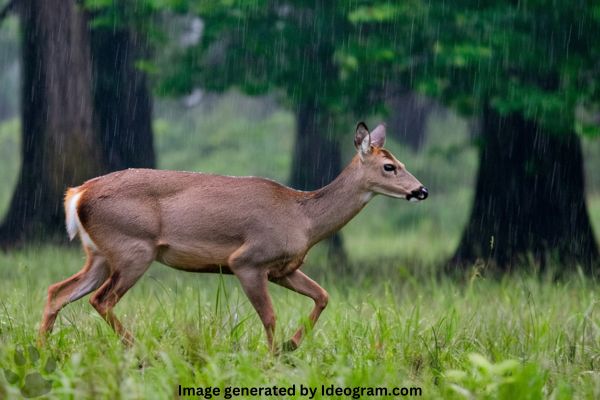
35 385
50 365
11 377
19 357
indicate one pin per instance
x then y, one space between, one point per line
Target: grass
385 328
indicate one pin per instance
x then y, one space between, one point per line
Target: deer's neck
331 207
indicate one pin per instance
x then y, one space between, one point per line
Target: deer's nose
419 194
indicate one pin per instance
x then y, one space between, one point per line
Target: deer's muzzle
418 194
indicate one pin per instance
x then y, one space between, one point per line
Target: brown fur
252 227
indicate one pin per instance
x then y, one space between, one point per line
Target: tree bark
317 161
529 199
122 100
58 147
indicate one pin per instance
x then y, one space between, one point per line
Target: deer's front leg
254 282
301 283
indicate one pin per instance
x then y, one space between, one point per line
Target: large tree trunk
58 147
529 198
317 161
86 110
123 103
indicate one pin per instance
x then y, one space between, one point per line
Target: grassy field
391 321
519 338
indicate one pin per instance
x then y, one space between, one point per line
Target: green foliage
385 12
531 57
508 379
525 57
333 55
138 15
528 57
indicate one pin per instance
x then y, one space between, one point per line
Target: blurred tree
61 143
407 122
530 69
529 197
122 100
58 146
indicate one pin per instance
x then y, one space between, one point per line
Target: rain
274 145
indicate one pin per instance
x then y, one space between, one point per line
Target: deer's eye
389 167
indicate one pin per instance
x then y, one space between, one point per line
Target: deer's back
191 215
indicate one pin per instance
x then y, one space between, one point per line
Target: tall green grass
385 326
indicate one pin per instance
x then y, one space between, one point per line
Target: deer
254 228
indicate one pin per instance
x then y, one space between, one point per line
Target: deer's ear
362 135
378 136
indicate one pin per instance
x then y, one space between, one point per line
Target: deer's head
382 172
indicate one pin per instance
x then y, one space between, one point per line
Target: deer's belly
194 257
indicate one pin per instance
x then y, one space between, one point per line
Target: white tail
72 198
252 227
72 220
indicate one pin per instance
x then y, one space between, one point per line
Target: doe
254 228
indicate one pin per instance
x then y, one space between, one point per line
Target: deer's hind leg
127 267
91 276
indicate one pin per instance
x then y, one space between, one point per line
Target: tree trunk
408 118
529 198
58 147
122 101
317 161
86 110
